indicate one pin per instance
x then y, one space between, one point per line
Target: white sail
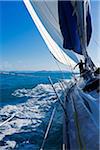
55 49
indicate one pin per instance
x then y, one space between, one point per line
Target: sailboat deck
83 116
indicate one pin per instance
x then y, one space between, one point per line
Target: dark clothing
81 68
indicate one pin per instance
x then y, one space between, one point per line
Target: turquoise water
18 80
31 98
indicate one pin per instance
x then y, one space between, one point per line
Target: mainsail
62 26
50 30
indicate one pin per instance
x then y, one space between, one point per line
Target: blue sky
21 46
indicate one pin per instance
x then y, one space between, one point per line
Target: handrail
60 101
48 128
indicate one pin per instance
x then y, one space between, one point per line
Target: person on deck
81 66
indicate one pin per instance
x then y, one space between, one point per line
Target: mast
84 49
81 8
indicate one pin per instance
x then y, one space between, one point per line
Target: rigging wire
58 32
63 76
63 55
52 115
60 101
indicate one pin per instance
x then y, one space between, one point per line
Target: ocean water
30 98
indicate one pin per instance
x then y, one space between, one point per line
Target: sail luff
52 45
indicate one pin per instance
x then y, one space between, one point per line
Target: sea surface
29 97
